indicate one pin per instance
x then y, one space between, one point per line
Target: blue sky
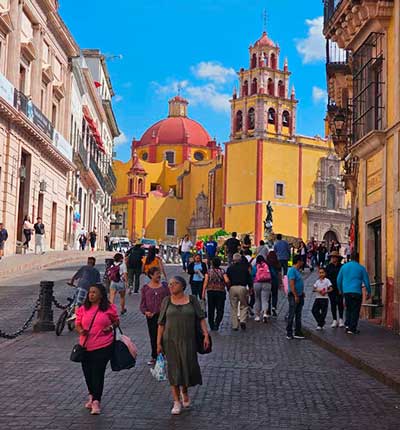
198 44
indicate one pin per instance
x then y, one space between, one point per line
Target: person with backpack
262 288
117 274
134 264
215 286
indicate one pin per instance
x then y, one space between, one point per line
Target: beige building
38 134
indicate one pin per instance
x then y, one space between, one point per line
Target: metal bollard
45 313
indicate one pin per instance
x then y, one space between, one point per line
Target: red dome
176 130
264 40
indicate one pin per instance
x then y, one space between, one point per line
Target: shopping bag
160 369
122 357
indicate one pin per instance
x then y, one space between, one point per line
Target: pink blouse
96 338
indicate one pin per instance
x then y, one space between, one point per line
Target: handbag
200 336
78 352
121 357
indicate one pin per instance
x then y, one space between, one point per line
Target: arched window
273 61
140 187
271 87
281 89
265 58
254 61
251 119
130 186
331 197
245 88
271 116
254 86
331 171
239 120
285 118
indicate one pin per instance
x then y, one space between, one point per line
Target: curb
4 274
357 362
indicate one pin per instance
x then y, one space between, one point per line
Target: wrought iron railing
83 154
330 7
97 172
111 176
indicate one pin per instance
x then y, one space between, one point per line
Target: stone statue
268 223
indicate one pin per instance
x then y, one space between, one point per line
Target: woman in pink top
102 316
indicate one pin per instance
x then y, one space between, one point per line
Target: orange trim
300 192
259 189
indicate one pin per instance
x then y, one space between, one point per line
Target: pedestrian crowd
176 320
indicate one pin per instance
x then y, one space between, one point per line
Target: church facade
180 181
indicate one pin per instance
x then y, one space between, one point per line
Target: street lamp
339 135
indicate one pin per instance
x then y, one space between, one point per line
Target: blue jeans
295 310
185 259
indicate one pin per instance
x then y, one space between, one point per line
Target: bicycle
66 314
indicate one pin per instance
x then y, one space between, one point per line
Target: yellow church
179 180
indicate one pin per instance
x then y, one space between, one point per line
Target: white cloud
319 94
118 98
213 71
312 48
121 139
206 95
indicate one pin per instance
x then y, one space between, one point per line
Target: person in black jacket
197 271
336 299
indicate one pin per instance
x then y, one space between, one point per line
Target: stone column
36 65
14 43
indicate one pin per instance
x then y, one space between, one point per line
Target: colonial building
38 128
363 74
178 182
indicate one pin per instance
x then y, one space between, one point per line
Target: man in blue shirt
350 281
296 299
211 250
282 250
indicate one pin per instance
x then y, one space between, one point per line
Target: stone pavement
376 350
16 264
251 380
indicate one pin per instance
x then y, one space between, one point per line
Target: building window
273 61
254 61
245 88
285 118
279 190
54 115
145 156
251 119
368 106
154 186
271 116
140 187
199 156
271 87
130 186
170 227
281 89
239 121
331 197
170 157
254 86
22 79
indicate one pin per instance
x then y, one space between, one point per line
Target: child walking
322 287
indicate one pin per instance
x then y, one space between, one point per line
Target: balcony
112 178
338 60
346 22
350 174
97 172
81 155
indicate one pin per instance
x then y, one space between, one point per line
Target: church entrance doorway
329 236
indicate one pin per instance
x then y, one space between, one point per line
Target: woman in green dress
176 338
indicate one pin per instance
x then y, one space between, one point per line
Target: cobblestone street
251 380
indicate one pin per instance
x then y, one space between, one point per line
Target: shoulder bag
199 335
124 352
78 353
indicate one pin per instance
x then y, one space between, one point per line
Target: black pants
153 326
28 237
295 310
197 288
216 302
353 307
319 310
284 264
134 278
273 297
94 369
336 300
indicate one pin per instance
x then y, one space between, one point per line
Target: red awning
93 129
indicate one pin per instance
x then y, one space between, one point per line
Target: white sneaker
341 323
176 409
334 324
257 319
318 328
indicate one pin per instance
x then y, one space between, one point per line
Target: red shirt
96 338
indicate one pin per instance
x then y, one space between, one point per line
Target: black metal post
45 313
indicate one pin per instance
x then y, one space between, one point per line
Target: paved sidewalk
376 350
22 264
